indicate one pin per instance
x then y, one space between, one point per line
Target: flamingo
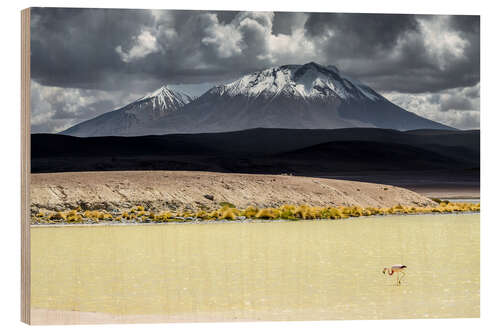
396 269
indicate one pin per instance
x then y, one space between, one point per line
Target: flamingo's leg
403 274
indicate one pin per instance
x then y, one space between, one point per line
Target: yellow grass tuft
250 212
268 214
163 216
227 214
201 214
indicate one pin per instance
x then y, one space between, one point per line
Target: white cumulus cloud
144 44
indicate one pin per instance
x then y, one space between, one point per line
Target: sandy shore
176 190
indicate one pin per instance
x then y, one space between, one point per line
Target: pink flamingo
399 269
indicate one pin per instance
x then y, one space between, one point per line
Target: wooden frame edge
25 167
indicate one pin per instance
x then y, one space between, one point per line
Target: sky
85 62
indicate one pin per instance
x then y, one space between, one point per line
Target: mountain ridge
309 96
298 151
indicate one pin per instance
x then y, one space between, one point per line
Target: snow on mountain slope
308 81
166 99
135 118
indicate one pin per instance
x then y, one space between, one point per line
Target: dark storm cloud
360 35
286 22
466 24
76 47
226 16
115 52
398 52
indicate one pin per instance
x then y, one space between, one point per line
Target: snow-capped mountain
308 96
135 118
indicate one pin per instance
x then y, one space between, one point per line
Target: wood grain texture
25 167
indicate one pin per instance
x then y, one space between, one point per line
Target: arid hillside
177 190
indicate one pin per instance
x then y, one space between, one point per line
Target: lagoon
304 270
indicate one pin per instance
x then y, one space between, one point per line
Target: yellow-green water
290 270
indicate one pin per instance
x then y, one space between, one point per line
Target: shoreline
181 197
105 224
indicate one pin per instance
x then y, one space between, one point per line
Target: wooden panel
25 166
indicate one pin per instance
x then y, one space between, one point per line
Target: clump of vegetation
302 212
163 216
201 214
439 201
74 217
287 212
58 216
227 204
250 212
187 214
227 212
268 214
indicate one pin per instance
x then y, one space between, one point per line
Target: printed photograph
200 166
